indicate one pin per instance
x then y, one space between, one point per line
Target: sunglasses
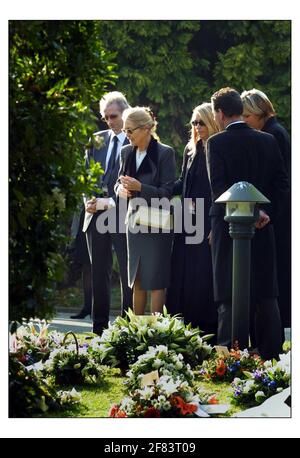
201 123
130 131
112 116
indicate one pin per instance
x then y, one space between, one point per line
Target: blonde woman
147 171
191 290
259 113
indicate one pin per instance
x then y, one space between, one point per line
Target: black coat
243 154
191 289
282 226
150 252
272 126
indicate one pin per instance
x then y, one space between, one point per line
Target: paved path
63 323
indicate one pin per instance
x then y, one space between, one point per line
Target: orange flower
213 400
121 414
185 408
221 368
113 410
235 353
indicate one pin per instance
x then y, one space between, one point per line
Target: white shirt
121 137
139 156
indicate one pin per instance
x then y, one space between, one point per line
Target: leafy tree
57 68
249 54
156 68
175 65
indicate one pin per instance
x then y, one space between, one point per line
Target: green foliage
258 55
30 394
173 66
157 69
57 69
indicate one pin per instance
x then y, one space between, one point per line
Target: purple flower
257 375
237 392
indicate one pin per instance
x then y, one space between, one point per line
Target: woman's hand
131 184
122 191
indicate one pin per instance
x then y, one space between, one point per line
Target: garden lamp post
241 212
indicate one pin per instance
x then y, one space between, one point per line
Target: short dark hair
229 101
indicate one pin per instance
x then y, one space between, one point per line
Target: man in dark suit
100 245
240 153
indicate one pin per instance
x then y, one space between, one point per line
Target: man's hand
90 205
263 220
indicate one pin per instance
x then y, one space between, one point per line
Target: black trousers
267 326
100 249
80 266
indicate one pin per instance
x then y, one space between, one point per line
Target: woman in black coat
259 114
191 289
147 172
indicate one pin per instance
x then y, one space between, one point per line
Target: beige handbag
153 217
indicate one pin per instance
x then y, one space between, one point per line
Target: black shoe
99 331
80 315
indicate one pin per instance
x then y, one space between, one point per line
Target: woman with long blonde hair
191 290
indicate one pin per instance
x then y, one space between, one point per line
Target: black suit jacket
99 155
244 154
241 153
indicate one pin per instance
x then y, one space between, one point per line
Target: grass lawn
97 399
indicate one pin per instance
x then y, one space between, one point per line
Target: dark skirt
151 255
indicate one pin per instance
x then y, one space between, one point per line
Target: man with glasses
100 245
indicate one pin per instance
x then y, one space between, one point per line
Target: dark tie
111 162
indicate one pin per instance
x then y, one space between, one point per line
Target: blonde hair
256 102
113 97
206 114
141 117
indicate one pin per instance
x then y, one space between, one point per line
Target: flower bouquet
162 361
33 342
168 397
271 378
72 365
127 338
227 367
